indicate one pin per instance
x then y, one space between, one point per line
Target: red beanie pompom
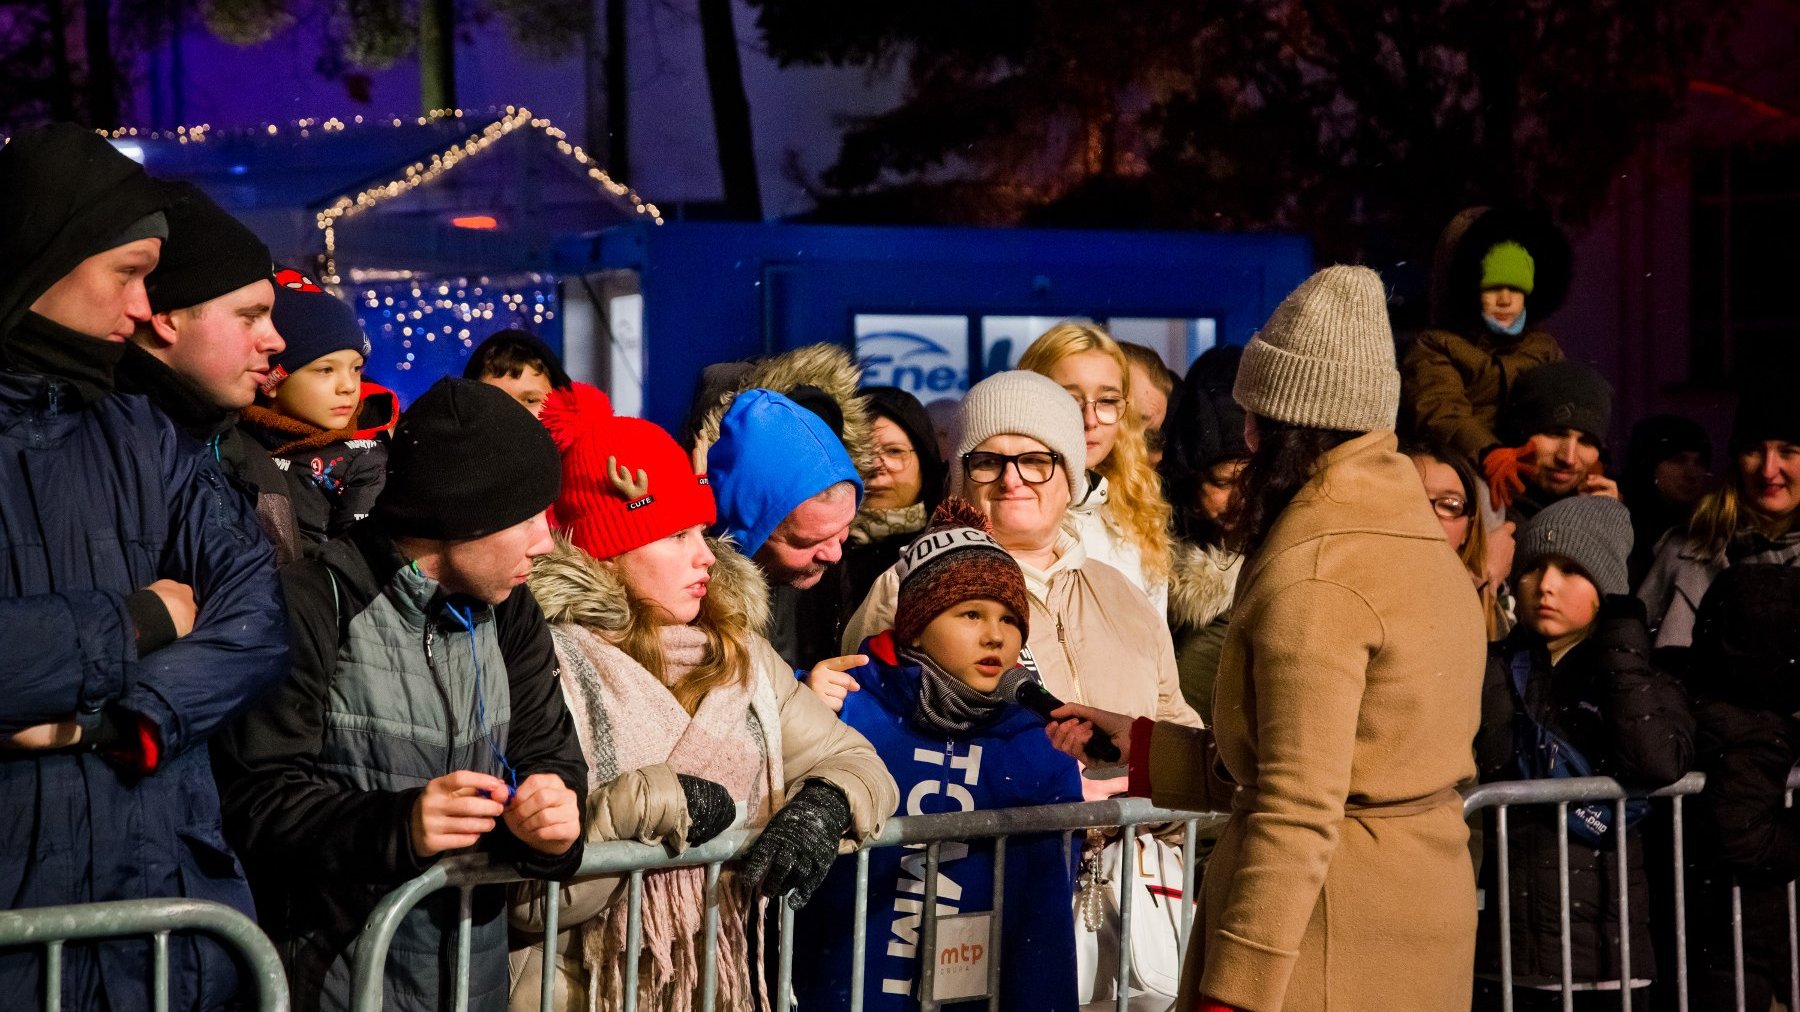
567 412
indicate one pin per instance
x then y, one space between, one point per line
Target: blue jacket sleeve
65 654
238 649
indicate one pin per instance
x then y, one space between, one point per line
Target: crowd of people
271 641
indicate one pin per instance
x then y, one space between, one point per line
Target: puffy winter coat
97 501
332 477
389 690
647 804
1632 722
1457 374
1007 764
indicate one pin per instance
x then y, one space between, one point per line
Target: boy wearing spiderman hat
422 715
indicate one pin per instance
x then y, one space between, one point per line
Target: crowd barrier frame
51 927
1129 815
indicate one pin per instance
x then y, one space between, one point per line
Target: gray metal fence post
928 933
552 913
634 937
1681 960
1127 890
1505 889
465 929
709 941
1624 907
1562 890
996 915
859 940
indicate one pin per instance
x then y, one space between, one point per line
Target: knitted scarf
947 705
870 526
732 740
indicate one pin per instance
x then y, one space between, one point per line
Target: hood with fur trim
1202 584
572 586
828 368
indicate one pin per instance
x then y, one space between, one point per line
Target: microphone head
1013 681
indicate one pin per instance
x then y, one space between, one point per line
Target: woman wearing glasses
1451 489
1094 636
1122 519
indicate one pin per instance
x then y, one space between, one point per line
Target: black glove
796 848
710 808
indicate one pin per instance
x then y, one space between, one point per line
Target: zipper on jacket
1069 659
437 681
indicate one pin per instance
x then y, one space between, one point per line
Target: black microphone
1019 687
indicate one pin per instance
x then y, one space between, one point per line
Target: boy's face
1555 601
1564 459
529 388
325 391
977 641
1502 305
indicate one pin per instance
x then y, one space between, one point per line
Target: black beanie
1767 409
466 461
313 323
208 253
1558 395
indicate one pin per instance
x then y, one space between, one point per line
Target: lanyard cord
466 619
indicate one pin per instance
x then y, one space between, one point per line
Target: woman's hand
1073 724
830 679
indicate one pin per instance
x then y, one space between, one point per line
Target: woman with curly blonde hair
1124 520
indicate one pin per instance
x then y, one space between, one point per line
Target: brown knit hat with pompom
956 560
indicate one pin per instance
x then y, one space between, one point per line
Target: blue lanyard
466 619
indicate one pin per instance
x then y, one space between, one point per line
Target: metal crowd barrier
930 831
158 918
1505 795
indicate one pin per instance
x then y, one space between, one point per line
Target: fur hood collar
575 588
1202 584
827 367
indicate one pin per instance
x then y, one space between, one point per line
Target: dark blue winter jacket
98 500
1008 764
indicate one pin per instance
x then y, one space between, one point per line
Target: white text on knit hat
937 544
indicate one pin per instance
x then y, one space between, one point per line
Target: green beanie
1507 265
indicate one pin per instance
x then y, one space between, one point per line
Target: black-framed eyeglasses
1034 467
1107 410
1450 507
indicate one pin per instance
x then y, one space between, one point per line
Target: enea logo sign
927 364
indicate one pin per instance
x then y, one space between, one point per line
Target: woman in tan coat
689 720
1347 697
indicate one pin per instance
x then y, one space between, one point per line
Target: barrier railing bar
159 971
1787 801
1127 888
1737 942
1505 888
1681 961
465 929
54 926
547 982
928 934
859 941
634 938
995 917
1562 882
53 953
709 939
1189 877
1624 906
785 975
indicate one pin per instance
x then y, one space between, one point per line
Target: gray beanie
1023 403
1592 531
1325 359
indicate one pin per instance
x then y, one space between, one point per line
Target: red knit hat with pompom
956 560
625 482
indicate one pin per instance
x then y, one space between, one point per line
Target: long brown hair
1280 466
724 661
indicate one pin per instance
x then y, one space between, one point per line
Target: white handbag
1155 965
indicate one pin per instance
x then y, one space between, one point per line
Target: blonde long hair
1136 507
725 660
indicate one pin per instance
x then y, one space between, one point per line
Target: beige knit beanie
1023 403
1325 359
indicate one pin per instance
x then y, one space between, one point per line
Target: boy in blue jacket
930 702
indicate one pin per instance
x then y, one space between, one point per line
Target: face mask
1517 328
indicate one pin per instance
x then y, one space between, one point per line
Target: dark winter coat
1632 722
321 806
216 432
332 476
1457 374
1008 763
98 501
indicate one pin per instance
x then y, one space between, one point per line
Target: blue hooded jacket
1008 764
771 456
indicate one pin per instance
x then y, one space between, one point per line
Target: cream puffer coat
647 804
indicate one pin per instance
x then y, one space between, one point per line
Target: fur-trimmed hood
825 367
1202 584
574 587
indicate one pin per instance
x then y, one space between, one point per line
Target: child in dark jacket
1575 676
931 700
324 425
1745 681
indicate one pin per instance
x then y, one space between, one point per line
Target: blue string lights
423 328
